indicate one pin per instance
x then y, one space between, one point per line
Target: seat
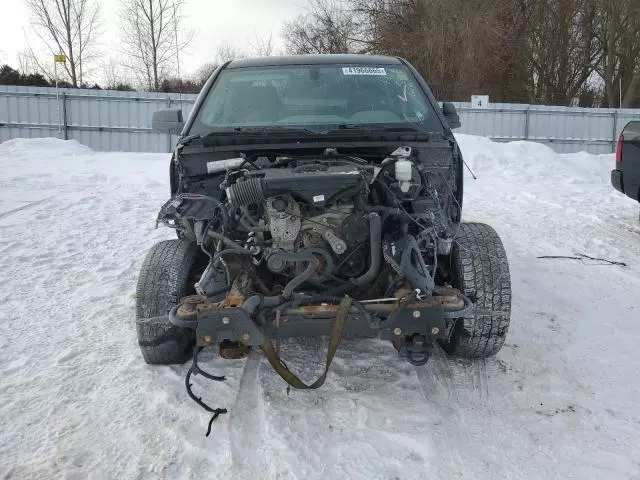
256 104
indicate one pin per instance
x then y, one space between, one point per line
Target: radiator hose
375 233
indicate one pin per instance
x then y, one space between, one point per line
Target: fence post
526 124
64 116
614 142
169 134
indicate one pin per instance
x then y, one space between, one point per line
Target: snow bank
557 200
527 161
76 400
54 146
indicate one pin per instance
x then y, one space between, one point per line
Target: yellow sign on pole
61 58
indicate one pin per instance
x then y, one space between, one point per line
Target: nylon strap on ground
334 340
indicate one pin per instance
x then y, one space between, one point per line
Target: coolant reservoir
404 174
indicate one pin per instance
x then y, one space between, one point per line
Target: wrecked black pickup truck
625 177
319 196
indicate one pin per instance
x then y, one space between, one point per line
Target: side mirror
451 115
167 121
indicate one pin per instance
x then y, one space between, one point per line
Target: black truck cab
626 176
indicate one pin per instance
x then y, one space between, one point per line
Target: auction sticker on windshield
363 71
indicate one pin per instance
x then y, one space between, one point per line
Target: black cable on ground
582 257
195 370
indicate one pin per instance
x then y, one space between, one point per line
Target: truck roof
327 59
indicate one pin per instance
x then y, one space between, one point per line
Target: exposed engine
320 245
303 216
315 226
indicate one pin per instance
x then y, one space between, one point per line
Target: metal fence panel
492 123
102 119
120 121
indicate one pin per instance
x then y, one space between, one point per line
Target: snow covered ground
559 401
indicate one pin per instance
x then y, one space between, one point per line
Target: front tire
479 268
168 273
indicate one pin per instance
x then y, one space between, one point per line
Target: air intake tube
244 193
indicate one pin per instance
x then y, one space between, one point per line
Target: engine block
284 220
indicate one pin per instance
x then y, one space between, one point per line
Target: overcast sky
215 22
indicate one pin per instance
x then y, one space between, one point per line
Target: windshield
316 98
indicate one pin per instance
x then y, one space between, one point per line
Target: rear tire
168 273
479 268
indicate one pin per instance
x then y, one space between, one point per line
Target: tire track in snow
479 371
369 421
24 207
438 384
459 393
622 231
247 424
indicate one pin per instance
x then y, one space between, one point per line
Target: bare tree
461 47
203 72
564 50
153 37
227 52
619 67
330 26
69 27
263 46
438 51
27 63
541 51
116 76
224 53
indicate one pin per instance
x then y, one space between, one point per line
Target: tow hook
415 350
